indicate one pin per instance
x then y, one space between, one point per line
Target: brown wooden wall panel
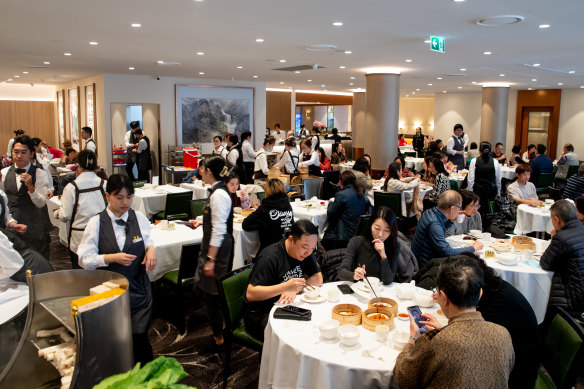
531 100
279 109
36 118
322 99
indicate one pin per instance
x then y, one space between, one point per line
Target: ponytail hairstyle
87 160
18 132
485 150
348 178
392 172
217 166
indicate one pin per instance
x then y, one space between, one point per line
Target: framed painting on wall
74 119
90 119
205 111
61 116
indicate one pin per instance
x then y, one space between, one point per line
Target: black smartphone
345 289
417 315
296 310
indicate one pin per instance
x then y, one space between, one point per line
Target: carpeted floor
170 312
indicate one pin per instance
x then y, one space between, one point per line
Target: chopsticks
308 285
371 286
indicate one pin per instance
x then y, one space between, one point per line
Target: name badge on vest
137 239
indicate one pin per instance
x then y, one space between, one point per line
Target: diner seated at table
429 239
501 303
522 191
441 183
272 217
361 169
529 154
394 181
338 154
565 257
515 158
540 164
325 162
232 181
343 212
427 176
567 158
402 140
289 158
575 185
472 218
467 353
281 271
448 165
499 153
69 157
376 252
580 208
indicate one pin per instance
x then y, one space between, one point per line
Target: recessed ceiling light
131 68
572 71
297 72
323 85
501 75
544 26
352 78
348 52
200 53
427 41
418 89
429 84
413 93
581 86
438 78
47 63
255 76
463 69
259 40
351 83
443 91
16 76
309 80
459 1
325 90
536 64
474 82
240 67
201 73
337 24
408 60
199 1
67 54
94 43
342 67
282 61
459 87
24 72
529 88
487 53
10 79
560 83
160 62
136 25
534 79
281 82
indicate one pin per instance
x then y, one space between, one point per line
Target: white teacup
349 334
311 292
381 333
476 233
549 201
424 298
329 329
486 236
527 255
400 339
333 295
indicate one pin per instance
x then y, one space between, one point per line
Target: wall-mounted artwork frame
203 111
90 110
61 116
74 117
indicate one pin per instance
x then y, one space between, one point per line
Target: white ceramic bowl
508 259
329 329
424 298
405 291
349 334
400 339
549 201
476 233
312 292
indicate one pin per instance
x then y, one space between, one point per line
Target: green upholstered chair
197 207
232 288
454 185
544 181
178 206
390 200
261 196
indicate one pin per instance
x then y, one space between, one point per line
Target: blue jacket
343 214
429 241
540 164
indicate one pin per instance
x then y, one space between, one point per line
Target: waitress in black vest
309 158
27 188
131 143
484 177
144 158
118 239
216 255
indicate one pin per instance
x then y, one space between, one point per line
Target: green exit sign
437 44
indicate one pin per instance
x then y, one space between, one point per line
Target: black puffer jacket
565 257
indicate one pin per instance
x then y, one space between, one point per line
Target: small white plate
317 300
365 287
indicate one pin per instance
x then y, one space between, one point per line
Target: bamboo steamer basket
285 178
393 306
354 316
370 324
303 170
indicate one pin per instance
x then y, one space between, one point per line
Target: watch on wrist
413 337
210 259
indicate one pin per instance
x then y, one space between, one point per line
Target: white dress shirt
90 145
7 215
44 164
142 145
313 140
261 162
287 162
233 155
248 153
90 204
88 252
10 259
9 149
127 138
450 145
312 161
41 186
220 204
471 174
221 152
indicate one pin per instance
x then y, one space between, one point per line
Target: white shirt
313 140
44 164
221 152
39 196
518 191
233 155
142 145
127 138
248 153
89 257
312 161
90 145
466 139
10 259
278 135
288 163
7 215
90 204
261 162
450 145
220 204
471 174
9 149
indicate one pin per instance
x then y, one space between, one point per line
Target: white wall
27 92
342 118
145 89
572 121
416 112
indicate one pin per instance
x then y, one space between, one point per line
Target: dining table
414 163
527 275
508 172
533 219
346 166
406 195
150 200
201 190
314 210
295 355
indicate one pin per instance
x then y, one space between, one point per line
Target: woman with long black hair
484 177
441 182
375 253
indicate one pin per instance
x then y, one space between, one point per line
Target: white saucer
307 299
365 287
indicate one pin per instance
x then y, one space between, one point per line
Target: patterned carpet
166 339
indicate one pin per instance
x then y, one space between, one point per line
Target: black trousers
142 348
130 170
74 260
214 313
255 323
143 175
248 172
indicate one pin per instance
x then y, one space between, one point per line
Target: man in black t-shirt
280 273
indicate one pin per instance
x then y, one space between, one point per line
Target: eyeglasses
476 206
458 206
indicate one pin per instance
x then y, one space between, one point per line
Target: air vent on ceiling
494 21
322 48
38 67
300 67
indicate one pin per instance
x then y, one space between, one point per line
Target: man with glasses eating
430 241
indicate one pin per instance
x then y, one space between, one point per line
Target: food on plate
377 316
521 243
380 305
440 312
247 212
469 238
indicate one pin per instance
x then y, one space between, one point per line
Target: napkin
532 263
379 351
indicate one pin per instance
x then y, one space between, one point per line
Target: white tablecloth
531 219
295 356
152 201
346 166
201 192
533 282
316 214
458 177
405 198
408 148
13 299
52 204
416 163
508 172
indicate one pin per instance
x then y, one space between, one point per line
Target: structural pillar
382 118
358 112
494 112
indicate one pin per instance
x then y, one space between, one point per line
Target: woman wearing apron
309 158
118 239
216 255
82 199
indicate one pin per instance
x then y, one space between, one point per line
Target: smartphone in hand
417 315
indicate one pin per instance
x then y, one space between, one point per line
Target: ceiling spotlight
136 25
255 76
529 88
325 90
462 69
309 80
199 1
93 43
342 67
282 61
67 54
200 53
352 78
536 65
534 79
323 85
259 40
131 68
572 71
429 84
160 62
348 52
351 84
24 72
501 75
438 78
408 60
487 53
413 93
474 82
16 76
47 63
459 87
418 89
407 95
201 73
560 83
240 67
10 79
337 24
443 91
427 41
544 26
281 82
459 1
297 72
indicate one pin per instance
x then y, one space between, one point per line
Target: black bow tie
121 222
20 171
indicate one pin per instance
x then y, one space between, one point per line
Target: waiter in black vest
455 147
131 143
27 188
143 156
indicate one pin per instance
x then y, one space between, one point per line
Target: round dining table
530 219
508 172
296 356
416 163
